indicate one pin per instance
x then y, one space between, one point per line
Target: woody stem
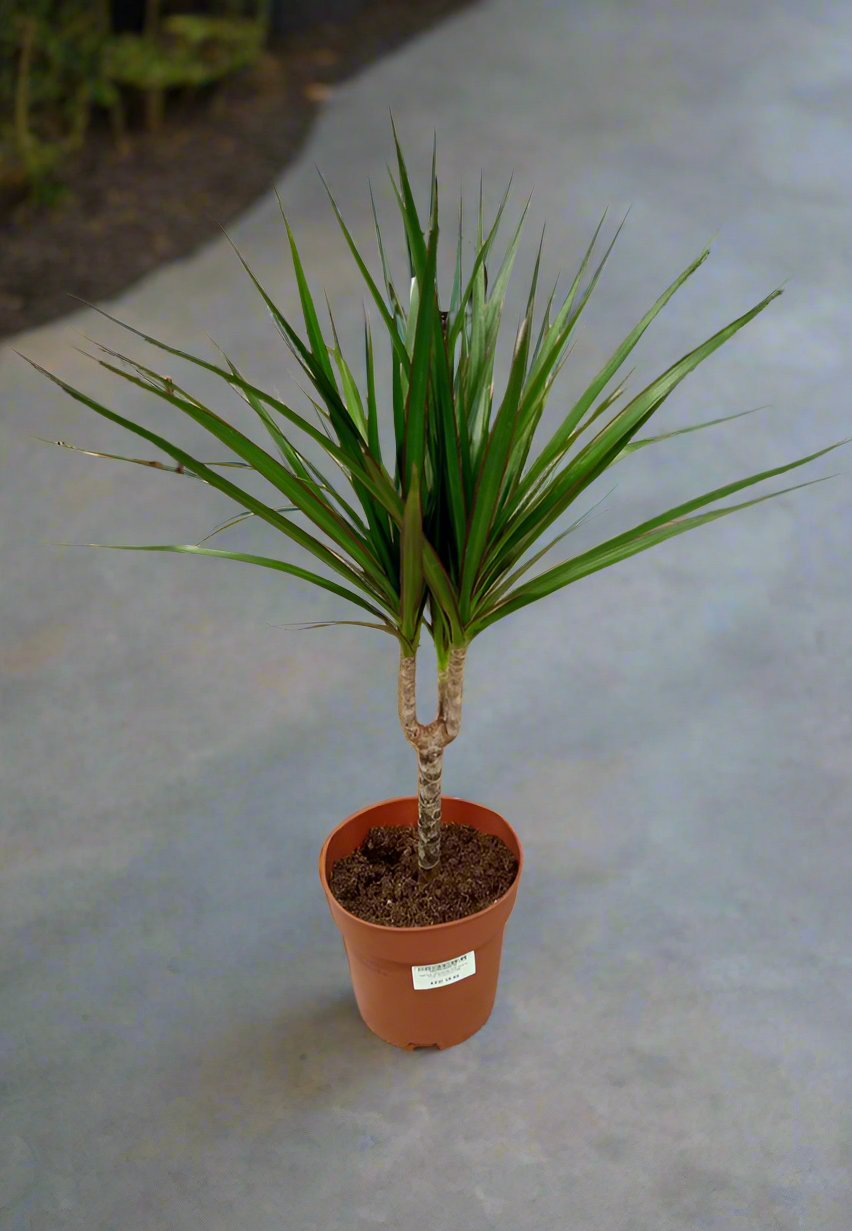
429 741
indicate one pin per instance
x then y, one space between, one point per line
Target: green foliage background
60 59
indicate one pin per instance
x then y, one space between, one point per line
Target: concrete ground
670 1046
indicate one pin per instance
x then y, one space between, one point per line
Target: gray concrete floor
670 1046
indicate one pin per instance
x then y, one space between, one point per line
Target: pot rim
426 927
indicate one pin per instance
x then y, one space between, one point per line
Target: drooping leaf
302 493
665 525
142 461
246 558
243 498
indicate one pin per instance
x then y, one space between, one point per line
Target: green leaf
236 381
455 294
372 406
392 295
246 558
450 455
291 456
549 355
304 627
591 461
398 415
237 519
352 396
476 273
346 431
312 326
410 218
140 461
243 498
556 445
493 469
411 562
489 592
633 445
623 426
416 406
665 525
512 508
550 348
444 594
298 490
393 333
437 578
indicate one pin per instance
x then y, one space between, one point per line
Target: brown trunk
155 104
23 135
430 765
429 741
152 18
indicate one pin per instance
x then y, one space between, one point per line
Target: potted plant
421 886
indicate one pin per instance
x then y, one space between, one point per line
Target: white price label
443 973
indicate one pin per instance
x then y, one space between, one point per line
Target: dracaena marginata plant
442 531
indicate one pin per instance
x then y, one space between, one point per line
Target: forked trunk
429 741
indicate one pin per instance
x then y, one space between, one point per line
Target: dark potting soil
379 881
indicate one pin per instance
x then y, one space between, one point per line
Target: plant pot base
436 1017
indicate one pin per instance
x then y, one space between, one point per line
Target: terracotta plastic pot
399 1000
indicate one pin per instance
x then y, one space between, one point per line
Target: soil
379 881
126 211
